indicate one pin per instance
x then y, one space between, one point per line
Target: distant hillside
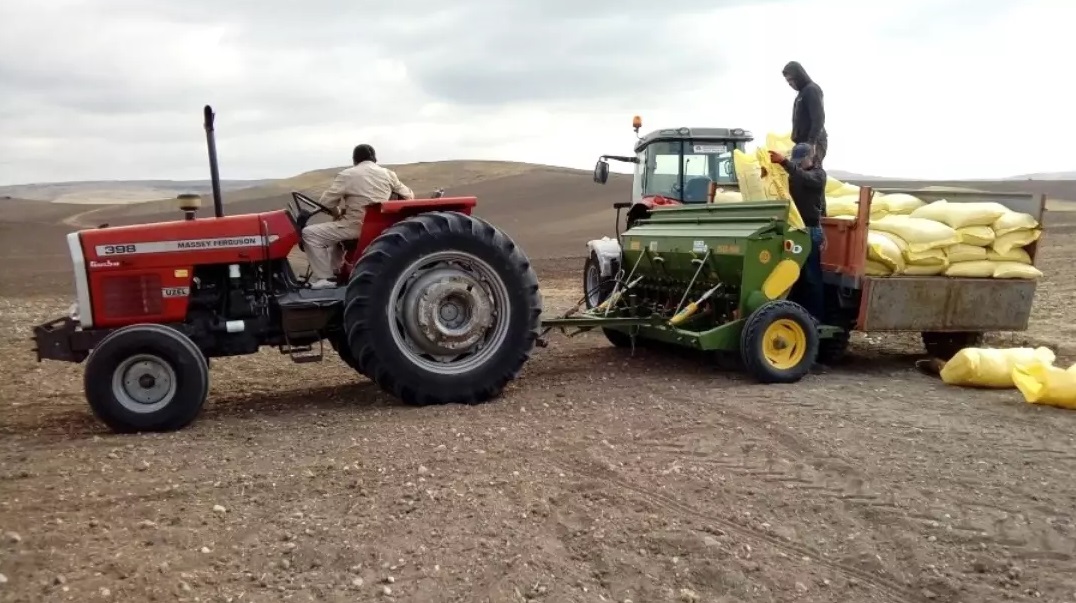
116 191
423 177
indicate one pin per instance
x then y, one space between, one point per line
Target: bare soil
601 475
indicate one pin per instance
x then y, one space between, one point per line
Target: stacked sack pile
910 237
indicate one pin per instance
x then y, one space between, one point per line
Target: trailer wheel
146 377
833 350
779 342
442 308
945 345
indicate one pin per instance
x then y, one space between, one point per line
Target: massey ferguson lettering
182 245
210 243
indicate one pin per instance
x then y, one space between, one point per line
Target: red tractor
435 305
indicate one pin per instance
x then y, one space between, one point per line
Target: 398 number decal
117 249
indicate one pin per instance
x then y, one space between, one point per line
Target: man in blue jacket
807 186
808 111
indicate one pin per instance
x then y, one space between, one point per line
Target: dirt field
597 477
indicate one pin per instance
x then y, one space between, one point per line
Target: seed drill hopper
713 277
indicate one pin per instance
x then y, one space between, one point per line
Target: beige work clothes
351 191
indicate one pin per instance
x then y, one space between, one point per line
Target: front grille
131 295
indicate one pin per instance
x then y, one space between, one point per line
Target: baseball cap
801 151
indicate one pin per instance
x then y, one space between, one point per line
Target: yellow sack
1016 270
847 189
899 203
832 185
728 197
960 215
1017 238
1011 221
965 253
775 185
976 235
883 249
923 269
847 205
1043 383
874 268
782 143
972 269
920 234
991 367
1015 254
749 175
927 257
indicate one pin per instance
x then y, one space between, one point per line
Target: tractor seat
697 190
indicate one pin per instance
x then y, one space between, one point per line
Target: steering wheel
301 200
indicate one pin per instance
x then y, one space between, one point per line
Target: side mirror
601 171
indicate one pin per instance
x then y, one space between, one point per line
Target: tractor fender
608 252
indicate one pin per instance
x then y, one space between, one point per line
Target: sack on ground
884 249
1043 383
981 236
1017 238
1015 255
991 367
972 269
900 203
960 215
965 253
1016 270
920 234
928 257
1012 221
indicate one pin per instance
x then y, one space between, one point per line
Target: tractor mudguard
608 252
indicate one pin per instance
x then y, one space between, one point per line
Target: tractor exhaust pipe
214 171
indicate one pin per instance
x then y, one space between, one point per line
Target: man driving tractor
352 190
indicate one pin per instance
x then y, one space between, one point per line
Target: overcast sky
113 89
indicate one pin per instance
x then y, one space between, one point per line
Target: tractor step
301 354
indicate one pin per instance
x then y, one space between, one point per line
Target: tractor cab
680 165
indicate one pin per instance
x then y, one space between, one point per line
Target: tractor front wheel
779 342
146 377
442 308
595 287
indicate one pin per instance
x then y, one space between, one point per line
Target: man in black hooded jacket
808 111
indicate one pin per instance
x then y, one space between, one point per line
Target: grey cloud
125 80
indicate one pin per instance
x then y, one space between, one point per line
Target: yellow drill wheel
779 342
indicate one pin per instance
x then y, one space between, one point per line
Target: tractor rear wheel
442 308
339 342
146 377
779 342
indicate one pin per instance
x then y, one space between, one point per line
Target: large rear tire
442 308
146 377
339 343
779 342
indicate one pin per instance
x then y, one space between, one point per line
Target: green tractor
689 272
